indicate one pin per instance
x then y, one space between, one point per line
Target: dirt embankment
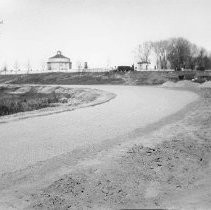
173 171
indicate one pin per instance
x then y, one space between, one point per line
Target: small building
147 64
142 66
59 62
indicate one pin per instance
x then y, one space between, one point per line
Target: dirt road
27 141
42 152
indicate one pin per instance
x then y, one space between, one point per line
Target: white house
150 64
59 62
154 63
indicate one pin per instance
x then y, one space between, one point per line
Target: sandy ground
146 167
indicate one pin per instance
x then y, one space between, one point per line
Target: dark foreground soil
173 172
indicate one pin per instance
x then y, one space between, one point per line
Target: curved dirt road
27 141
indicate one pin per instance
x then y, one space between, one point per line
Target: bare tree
160 49
5 70
194 52
28 67
175 53
108 63
179 52
143 52
201 59
16 66
43 66
79 65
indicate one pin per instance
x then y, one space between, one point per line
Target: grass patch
14 99
14 103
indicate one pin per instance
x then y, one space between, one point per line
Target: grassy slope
133 78
113 78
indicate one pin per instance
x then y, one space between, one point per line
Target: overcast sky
96 31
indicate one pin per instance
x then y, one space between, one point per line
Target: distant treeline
175 53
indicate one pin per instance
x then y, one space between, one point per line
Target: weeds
11 104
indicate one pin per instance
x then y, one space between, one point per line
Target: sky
101 32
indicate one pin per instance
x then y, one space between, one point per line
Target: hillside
112 78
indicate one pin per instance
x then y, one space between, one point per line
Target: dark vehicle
178 68
125 68
200 68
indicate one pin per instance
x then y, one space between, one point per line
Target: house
142 66
59 62
146 63
153 63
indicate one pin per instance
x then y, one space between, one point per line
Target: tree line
174 53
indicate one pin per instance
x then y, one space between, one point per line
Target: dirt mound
62 90
3 85
180 84
168 84
206 85
56 89
155 79
187 83
24 89
45 90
